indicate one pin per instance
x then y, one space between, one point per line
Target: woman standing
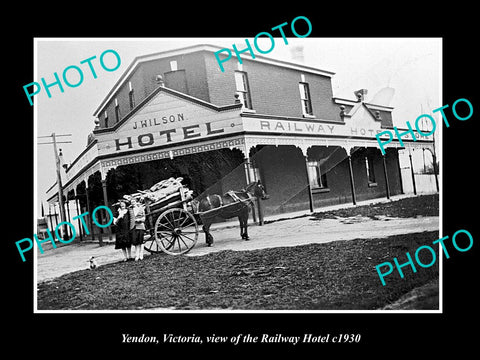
122 235
137 226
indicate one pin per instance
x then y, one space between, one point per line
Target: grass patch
331 276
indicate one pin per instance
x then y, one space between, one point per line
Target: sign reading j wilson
161 121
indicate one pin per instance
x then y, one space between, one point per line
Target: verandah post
352 182
413 174
309 187
386 176
105 201
246 164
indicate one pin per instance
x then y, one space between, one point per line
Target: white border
440 185
171 311
35 178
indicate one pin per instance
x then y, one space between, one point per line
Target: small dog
93 263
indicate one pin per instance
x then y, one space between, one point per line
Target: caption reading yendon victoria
244 339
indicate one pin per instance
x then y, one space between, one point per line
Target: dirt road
302 231
291 232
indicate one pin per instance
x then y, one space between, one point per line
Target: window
305 98
173 65
106 119
255 173
131 96
117 111
318 180
370 171
243 90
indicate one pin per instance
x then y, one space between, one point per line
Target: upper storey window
243 89
305 99
117 111
131 96
106 118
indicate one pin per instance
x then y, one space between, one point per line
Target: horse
229 205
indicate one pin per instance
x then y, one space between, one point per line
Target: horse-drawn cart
171 214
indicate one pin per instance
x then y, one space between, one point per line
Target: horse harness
234 197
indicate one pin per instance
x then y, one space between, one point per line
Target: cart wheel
150 244
175 232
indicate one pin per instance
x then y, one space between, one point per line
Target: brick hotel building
175 113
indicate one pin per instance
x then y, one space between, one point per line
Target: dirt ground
292 232
296 263
337 275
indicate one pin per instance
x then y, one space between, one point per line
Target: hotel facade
175 113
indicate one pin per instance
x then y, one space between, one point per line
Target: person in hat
137 227
122 235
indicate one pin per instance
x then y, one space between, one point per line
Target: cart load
161 191
170 226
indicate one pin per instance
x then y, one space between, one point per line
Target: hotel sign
168 120
314 127
167 135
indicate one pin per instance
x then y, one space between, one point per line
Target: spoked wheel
175 232
151 244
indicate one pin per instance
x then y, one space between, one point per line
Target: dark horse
231 204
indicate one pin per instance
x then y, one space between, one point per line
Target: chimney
296 53
361 94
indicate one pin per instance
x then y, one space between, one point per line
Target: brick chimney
361 94
296 52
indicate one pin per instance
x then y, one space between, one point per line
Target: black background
382 334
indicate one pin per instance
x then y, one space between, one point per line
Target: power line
57 142
56 135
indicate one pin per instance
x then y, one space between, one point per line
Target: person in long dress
137 226
122 236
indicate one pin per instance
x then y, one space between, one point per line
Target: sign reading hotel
184 132
316 128
168 120
361 124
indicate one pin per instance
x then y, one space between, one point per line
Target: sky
404 73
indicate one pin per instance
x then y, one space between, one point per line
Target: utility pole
59 177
